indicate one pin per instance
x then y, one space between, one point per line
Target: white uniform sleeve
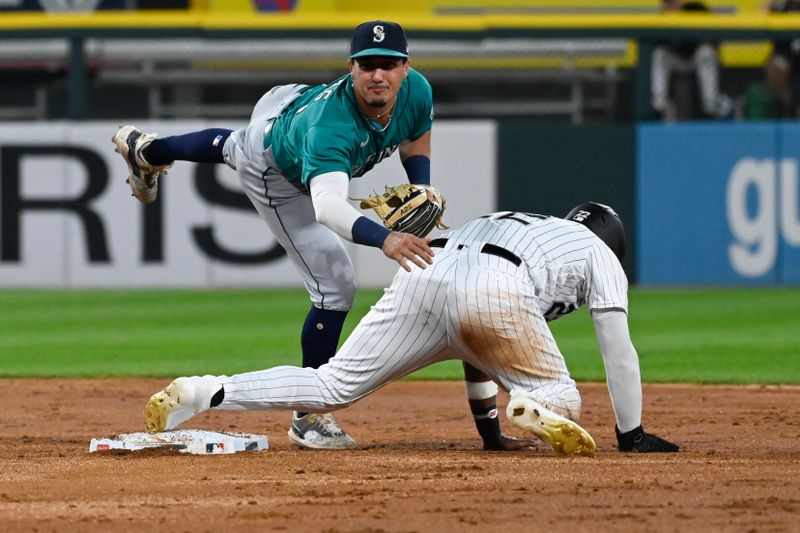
622 367
329 196
607 285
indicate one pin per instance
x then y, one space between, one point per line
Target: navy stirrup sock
320 336
200 146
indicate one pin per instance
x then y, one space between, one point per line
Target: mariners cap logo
379 38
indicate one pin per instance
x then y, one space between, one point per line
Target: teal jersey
324 131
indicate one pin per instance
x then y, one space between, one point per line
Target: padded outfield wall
712 203
67 218
550 168
704 203
718 204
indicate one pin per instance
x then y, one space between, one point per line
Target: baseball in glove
408 208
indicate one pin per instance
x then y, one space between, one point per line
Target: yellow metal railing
734 54
475 6
150 20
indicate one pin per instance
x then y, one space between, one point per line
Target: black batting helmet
604 222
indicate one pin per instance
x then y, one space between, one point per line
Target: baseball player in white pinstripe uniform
485 300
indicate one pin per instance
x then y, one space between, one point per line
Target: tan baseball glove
408 208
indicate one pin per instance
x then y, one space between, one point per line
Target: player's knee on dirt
561 398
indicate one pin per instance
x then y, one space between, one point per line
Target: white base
194 441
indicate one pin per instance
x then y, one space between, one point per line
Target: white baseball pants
468 305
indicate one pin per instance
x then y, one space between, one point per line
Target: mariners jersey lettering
567 263
324 131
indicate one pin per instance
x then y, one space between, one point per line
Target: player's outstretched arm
420 146
622 366
416 158
624 383
329 197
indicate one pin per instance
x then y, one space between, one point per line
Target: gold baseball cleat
562 434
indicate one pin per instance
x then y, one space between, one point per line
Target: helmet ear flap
604 222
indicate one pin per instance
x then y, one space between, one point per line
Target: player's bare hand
503 443
404 247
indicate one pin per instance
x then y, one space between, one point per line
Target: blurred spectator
783 67
699 59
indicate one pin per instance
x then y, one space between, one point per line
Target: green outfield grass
708 335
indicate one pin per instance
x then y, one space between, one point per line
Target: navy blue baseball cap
378 38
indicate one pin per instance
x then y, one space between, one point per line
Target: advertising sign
67 218
718 204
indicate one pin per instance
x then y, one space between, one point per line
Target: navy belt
487 248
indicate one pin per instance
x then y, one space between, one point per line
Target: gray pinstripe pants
316 251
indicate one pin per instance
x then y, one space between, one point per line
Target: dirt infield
419 467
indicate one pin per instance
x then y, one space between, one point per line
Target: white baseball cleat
562 434
178 402
142 176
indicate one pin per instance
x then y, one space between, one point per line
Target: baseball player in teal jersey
323 131
295 160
